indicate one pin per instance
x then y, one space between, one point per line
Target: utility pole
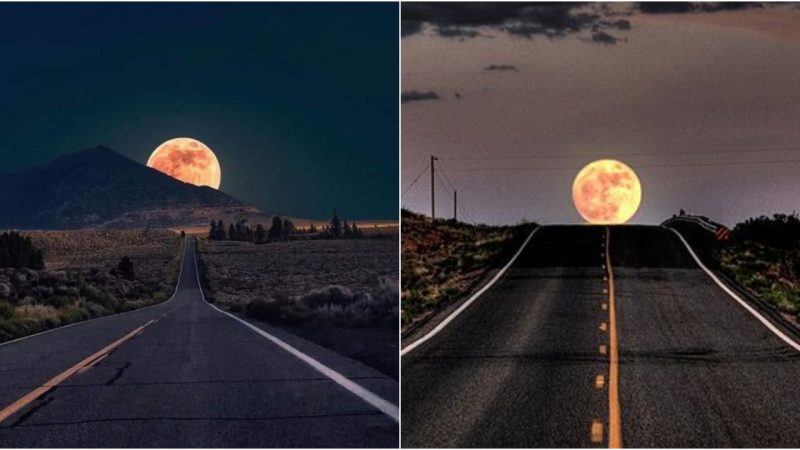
433 188
455 205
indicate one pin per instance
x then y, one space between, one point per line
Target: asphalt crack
119 373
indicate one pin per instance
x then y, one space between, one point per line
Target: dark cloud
602 37
457 32
457 19
417 96
501 67
689 7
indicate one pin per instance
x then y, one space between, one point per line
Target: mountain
101 188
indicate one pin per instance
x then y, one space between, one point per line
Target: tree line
282 229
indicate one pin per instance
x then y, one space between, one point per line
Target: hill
100 188
443 261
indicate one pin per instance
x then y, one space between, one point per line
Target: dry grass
301 281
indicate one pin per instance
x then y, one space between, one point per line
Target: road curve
192 377
527 365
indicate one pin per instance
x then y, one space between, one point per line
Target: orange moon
187 160
607 192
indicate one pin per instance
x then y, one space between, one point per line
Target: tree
261 234
356 231
348 232
19 252
125 268
183 234
231 232
212 231
312 228
336 225
276 230
288 228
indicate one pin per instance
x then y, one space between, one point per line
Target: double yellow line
614 415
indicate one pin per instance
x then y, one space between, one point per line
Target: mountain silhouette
97 187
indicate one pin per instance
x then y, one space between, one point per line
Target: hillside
99 187
444 260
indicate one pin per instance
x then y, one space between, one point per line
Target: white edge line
470 301
177 283
384 406
744 304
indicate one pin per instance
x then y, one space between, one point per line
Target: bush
19 252
125 268
6 310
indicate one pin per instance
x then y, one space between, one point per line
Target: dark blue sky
298 101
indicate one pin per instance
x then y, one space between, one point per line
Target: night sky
702 100
298 101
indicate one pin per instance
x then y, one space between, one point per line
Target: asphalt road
193 377
522 366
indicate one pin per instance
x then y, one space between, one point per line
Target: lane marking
603 349
738 299
25 400
604 306
603 326
614 414
597 432
359 391
600 381
470 301
175 292
97 361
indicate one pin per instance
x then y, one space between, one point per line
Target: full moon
607 192
187 160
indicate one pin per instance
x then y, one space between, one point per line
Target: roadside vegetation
444 260
764 257
54 278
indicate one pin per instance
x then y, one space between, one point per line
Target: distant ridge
97 187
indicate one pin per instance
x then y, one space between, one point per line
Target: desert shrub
125 268
331 305
780 230
6 310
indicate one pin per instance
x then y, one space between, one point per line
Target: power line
705 151
704 164
422 172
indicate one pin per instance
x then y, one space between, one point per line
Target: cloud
502 67
691 7
417 96
460 20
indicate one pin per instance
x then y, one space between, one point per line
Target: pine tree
220 231
356 231
336 225
212 231
276 230
261 234
231 232
348 232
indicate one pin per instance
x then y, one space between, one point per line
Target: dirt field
242 271
342 294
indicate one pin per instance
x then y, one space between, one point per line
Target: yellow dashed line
600 382
597 432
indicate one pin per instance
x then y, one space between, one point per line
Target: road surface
539 361
192 377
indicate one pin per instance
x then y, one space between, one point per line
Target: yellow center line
614 415
9 410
